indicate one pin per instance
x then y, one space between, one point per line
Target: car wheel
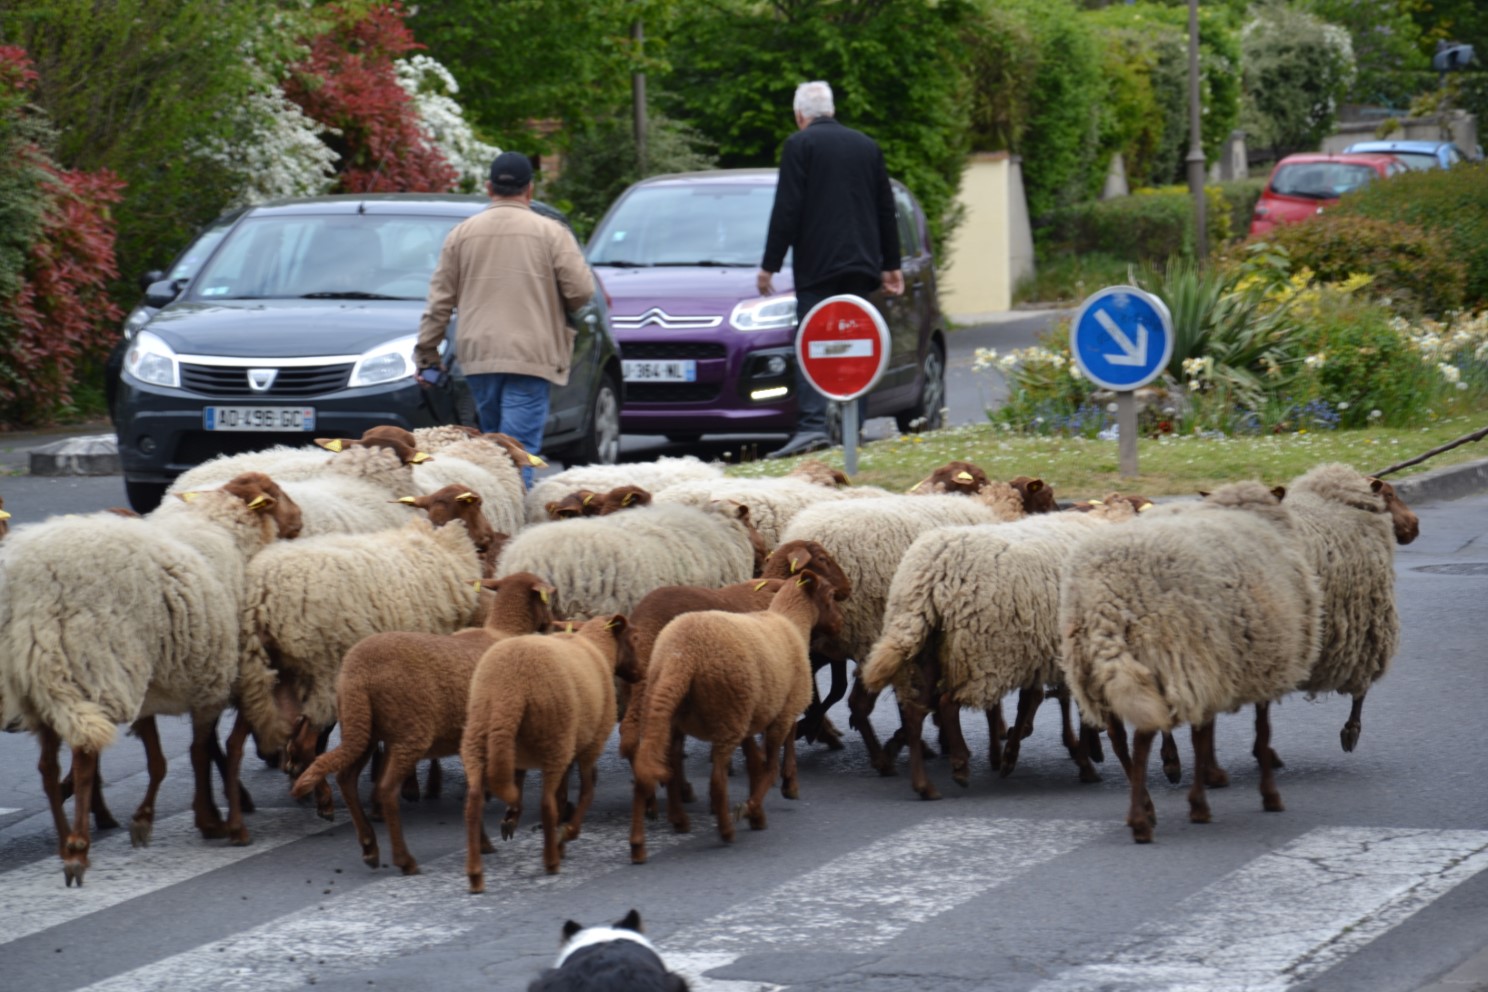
144 496
928 414
601 442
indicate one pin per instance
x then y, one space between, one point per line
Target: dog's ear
570 928
632 921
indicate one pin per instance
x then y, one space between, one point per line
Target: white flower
1343 405
279 151
1315 361
432 88
1375 414
1110 407
1451 373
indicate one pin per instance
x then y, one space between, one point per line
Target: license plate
259 418
680 370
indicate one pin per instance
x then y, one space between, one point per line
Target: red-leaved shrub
348 83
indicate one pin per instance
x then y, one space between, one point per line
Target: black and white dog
608 959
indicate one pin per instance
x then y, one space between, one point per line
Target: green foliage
1297 69
1385 41
1363 367
1240 196
22 180
1408 266
894 67
601 163
1148 225
1450 205
1145 66
1068 277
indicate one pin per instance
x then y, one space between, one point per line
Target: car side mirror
149 278
163 291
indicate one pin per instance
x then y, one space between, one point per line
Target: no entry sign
843 347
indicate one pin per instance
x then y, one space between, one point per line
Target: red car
1302 185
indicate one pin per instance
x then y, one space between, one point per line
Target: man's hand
893 282
762 282
430 376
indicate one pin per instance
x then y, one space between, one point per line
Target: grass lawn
1078 468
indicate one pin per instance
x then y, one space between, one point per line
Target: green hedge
1450 205
1412 268
1150 225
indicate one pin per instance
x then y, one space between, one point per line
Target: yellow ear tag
610 625
964 477
588 499
188 497
1096 502
476 585
4 515
629 498
794 566
761 585
258 501
334 444
409 500
1144 507
466 497
419 457
801 581
570 627
536 462
543 595
1035 486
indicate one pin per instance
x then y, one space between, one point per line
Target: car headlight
765 313
151 360
137 319
385 363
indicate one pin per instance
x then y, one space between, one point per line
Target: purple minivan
702 351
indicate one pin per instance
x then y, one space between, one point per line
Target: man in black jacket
833 205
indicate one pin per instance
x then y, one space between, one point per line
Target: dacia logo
261 380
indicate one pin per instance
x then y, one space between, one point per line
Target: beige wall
993 246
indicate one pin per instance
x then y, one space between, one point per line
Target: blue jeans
512 404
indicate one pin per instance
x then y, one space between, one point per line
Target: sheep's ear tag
419 457
611 625
4 514
1035 486
332 444
570 623
964 477
536 462
543 595
801 581
1096 502
794 566
919 484
476 584
407 500
259 502
188 496
628 499
466 498
762 585
588 499
1144 507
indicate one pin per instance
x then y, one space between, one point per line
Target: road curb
94 454
1452 482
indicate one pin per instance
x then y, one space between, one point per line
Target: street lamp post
1196 137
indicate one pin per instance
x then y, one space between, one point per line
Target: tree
1385 39
1297 69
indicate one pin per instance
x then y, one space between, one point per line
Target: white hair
814 99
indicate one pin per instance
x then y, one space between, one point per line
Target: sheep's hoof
411 868
1173 772
104 820
1272 804
239 837
1199 814
477 884
213 831
1142 834
929 793
140 831
508 829
372 859
1089 775
790 790
73 871
551 869
1007 766
1348 736
486 846
1276 761
570 832
687 794
638 854
961 776
682 825
1216 778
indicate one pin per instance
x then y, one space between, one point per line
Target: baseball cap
511 172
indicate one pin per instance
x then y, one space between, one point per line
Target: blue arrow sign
1122 338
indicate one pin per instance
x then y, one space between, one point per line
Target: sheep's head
391 432
1038 496
456 502
794 557
609 634
952 477
263 496
819 473
406 452
579 503
740 512
523 603
300 748
519 455
1407 524
623 498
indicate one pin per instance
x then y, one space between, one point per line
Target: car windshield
1321 180
1419 161
322 256
703 224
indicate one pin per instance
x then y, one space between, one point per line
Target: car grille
672 350
232 380
671 392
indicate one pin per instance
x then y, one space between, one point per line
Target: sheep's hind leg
1029 701
1116 730
513 813
1172 765
1139 815
1082 745
208 817
346 780
641 798
1349 735
949 714
50 768
588 774
143 823
1202 736
399 762
790 785
914 722
678 790
1270 797
723 751
434 782
996 733
219 758
860 703
475 828
237 741
554 779
756 765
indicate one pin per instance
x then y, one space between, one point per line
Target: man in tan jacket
513 275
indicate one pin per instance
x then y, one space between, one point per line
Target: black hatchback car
297 319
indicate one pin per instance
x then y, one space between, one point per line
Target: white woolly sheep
545 701
722 678
106 620
772 503
972 615
309 602
410 692
651 476
1197 611
606 564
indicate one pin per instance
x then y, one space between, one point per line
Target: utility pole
638 96
1196 138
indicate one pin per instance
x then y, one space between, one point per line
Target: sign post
842 350
1122 339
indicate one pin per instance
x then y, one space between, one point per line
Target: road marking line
1289 915
896 883
393 916
6 810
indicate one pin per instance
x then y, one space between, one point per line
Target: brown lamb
544 701
722 678
409 692
952 477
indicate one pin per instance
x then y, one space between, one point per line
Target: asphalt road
1372 880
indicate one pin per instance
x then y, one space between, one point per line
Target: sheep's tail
905 634
256 680
497 726
81 723
1129 689
354 710
667 685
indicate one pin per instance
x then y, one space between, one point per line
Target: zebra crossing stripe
35 898
1289 915
388 918
6 810
898 882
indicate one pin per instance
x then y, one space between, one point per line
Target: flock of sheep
408 586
